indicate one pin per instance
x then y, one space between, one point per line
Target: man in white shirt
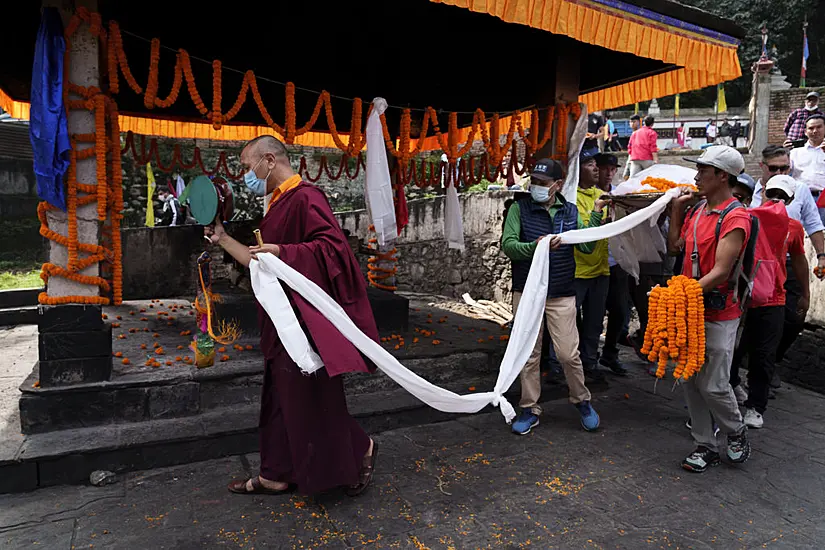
710 131
808 162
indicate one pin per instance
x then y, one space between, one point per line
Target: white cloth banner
378 183
268 271
571 184
453 224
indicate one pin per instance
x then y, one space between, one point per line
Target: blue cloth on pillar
48 128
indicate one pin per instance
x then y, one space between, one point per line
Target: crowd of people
309 441
705 242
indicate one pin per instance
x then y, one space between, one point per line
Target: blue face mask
254 183
540 194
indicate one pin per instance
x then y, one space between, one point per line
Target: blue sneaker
590 420
525 422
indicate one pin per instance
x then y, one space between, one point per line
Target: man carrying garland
710 257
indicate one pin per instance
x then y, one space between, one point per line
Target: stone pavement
470 483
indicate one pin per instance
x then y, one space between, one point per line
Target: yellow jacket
592 265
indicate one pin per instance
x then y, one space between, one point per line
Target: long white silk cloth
378 186
269 271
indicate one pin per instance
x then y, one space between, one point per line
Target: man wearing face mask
543 213
308 440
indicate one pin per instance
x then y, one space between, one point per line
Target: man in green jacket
530 219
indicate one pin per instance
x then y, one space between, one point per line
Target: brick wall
782 103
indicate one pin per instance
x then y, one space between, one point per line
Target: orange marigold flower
126 361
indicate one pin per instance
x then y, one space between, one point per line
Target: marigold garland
662 185
676 328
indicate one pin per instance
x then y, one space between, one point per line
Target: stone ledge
69 456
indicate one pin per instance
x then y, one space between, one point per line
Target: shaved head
268 158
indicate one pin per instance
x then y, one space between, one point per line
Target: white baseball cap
783 183
722 157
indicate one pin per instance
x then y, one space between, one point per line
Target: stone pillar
75 346
760 114
568 76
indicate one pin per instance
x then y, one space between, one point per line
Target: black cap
547 169
606 159
588 153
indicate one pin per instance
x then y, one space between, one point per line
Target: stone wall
18 189
782 103
427 265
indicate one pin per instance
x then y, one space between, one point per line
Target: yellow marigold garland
676 328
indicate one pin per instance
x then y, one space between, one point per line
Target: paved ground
469 483
18 357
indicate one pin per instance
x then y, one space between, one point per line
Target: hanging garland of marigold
675 331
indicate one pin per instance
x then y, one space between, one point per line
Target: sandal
239 487
365 476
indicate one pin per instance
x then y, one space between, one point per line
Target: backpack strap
696 213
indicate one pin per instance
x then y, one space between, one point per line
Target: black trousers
617 309
793 324
760 338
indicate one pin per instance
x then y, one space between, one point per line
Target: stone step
18 315
158 395
69 456
19 297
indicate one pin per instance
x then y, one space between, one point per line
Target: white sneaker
753 419
741 394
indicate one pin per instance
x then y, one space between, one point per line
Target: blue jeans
591 302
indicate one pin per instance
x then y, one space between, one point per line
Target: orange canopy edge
703 57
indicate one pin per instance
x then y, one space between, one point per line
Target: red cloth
402 215
312 243
737 218
642 144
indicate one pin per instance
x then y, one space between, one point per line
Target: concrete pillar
74 344
84 70
761 106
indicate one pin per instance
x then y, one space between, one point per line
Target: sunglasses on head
781 168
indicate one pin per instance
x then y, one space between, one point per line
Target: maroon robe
307 436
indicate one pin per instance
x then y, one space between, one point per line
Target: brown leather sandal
365 476
239 487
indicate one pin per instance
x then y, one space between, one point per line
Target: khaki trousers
560 316
709 394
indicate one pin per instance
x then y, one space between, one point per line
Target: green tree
783 19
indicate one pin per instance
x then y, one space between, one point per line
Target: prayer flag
721 104
805 53
150 191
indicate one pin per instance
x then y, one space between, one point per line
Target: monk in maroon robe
308 440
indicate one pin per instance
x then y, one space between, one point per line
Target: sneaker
700 460
590 420
739 448
614 365
741 394
525 422
753 419
690 427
